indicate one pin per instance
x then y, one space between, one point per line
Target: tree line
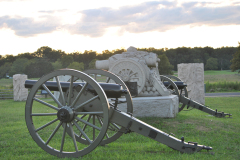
46 59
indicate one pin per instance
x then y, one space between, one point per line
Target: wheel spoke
63 136
132 74
79 94
46 104
83 116
111 128
53 133
135 77
73 137
168 86
77 113
70 91
50 93
60 90
43 114
101 123
108 79
128 72
88 101
115 125
82 132
88 123
93 128
47 124
173 91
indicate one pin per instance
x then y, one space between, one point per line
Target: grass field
223 134
220 76
6 83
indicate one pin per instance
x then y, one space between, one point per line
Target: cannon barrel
179 84
112 90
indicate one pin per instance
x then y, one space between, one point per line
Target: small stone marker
19 90
193 75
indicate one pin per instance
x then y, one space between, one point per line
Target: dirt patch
172 124
197 125
202 129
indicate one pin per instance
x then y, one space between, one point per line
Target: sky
98 25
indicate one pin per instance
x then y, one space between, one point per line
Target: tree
18 66
92 64
5 69
66 60
26 55
77 66
164 66
9 58
38 67
57 65
212 64
236 60
49 53
197 61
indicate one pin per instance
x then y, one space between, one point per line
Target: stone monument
153 99
193 75
19 91
137 66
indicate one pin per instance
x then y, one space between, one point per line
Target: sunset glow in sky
76 25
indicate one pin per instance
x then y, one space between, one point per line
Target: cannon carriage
83 118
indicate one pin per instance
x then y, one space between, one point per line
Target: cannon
179 88
82 117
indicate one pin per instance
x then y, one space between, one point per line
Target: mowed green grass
223 134
6 83
221 76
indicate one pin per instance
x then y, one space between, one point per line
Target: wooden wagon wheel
44 118
183 92
130 71
114 131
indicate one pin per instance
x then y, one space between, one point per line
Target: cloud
27 27
157 16
145 17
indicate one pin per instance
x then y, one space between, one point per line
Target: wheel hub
125 78
65 114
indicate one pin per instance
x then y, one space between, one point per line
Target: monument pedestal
160 106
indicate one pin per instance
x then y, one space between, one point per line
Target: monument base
161 106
